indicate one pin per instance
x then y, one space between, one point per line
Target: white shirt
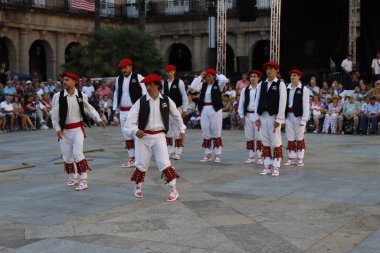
231 93
40 92
125 97
8 107
73 111
347 65
251 104
280 117
196 85
89 90
182 90
155 120
305 101
376 66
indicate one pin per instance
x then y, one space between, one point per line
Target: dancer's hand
183 114
182 136
276 124
60 135
140 134
242 121
101 123
258 123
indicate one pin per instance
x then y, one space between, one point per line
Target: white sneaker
176 157
250 160
217 159
260 160
171 155
72 182
173 196
206 158
265 171
300 163
276 172
129 164
82 185
138 192
44 127
289 162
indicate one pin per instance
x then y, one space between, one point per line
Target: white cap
28 81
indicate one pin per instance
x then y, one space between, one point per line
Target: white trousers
294 132
123 119
270 137
252 133
173 133
211 123
72 148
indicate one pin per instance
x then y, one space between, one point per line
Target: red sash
75 125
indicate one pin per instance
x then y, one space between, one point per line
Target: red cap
274 65
295 71
211 72
152 78
70 75
257 72
125 62
170 67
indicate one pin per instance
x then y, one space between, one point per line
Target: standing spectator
50 87
376 67
347 66
89 90
103 90
36 78
244 82
351 112
371 113
332 116
7 110
3 73
316 110
10 90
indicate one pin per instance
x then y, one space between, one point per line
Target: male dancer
128 89
70 110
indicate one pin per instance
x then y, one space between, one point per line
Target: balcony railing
128 11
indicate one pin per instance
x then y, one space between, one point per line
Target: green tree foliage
106 47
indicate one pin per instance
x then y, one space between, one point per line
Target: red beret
152 78
70 75
211 72
295 71
257 72
274 65
170 67
125 62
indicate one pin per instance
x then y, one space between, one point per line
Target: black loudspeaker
247 10
242 64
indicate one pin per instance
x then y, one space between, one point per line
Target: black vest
135 90
269 99
174 93
247 97
216 97
63 107
297 106
145 110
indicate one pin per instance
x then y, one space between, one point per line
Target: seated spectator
355 79
235 119
50 87
313 86
332 117
58 87
38 90
226 111
190 110
316 110
29 90
2 93
376 91
1 122
34 110
105 105
324 91
103 117
89 90
339 91
103 90
351 112
361 91
40 105
8 112
10 89
230 91
371 113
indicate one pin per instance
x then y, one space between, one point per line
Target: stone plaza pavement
330 205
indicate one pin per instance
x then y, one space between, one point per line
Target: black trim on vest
63 108
269 99
135 91
174 93
247 97
297 106
145 110
216 97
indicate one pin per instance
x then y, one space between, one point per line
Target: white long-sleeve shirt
155 120
73 110
280 117
305 101
182 90
196 85
126 97
251 104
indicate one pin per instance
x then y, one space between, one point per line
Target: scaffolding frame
275 29
221 37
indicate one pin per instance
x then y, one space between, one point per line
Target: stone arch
8 53
180 55
68 49
230 60
41 59
259 53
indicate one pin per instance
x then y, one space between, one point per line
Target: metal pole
97 15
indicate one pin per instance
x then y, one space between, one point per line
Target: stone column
239 45
197 53
60 54
24 52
